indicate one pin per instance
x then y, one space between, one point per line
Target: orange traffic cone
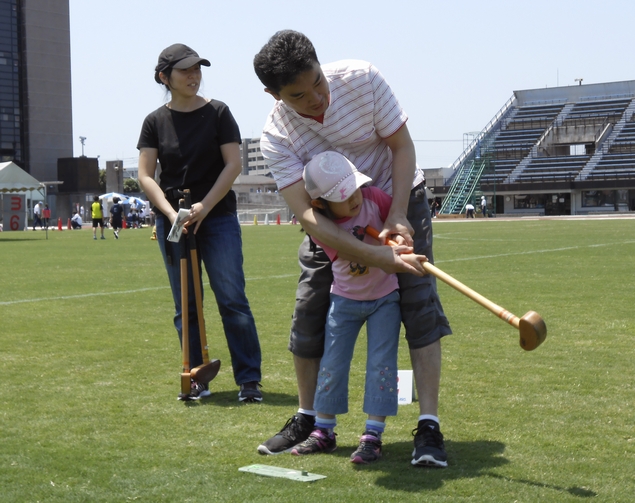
68 225
278 219
124 226
59 224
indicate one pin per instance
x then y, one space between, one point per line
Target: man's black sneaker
429 448
250 392
296 430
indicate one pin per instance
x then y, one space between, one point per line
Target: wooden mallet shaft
185 328
531 326
208 370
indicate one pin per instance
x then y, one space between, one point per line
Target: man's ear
276 96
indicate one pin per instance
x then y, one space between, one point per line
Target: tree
102 181
131 185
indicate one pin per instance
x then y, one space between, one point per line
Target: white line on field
479 257
137 290
260 278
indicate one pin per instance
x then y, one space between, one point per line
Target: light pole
82 139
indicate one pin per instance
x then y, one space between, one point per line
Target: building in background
35 85
35 88
566 150
253 161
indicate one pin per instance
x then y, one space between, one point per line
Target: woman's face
183 82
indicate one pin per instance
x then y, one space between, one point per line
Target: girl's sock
327 424
376 426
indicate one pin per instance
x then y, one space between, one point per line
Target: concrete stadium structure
553 151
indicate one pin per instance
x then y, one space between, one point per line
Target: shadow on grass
465 460
17 240
575 491
230 399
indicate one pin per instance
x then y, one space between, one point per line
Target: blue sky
452 64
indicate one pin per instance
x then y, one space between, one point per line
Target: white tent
14 179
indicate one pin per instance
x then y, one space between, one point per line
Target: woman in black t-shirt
196 141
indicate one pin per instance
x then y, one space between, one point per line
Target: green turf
89 372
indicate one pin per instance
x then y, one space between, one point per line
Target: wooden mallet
532 328
185 323
208 370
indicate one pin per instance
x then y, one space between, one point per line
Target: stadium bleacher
566 139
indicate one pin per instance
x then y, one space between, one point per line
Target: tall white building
253 161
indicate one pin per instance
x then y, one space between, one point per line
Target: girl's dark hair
326 210
285 56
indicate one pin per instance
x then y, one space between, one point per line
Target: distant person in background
434 207
97 213
116 217
76 221
37 212
46 215
132 219
469 210
484 206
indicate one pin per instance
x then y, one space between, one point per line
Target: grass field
89 367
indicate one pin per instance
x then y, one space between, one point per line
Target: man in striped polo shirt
348 107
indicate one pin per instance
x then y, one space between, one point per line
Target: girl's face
184 82
349 208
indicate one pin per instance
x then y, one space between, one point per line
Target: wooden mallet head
533 330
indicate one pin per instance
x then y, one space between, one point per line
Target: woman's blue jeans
219 245
345 319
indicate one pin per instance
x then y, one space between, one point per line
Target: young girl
196 140
359 295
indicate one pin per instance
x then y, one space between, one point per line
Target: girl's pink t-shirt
356 281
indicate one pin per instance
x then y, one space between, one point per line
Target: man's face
308 94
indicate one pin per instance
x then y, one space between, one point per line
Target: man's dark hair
285 56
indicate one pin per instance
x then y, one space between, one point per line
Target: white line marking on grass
532 251
278 276
80 296
260 278
138 290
